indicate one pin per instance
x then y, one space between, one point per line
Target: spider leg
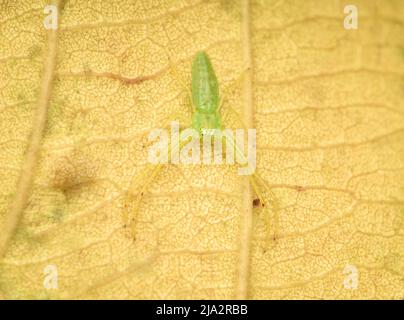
260 188
149 174
152 170
182 81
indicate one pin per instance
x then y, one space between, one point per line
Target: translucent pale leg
166 125
272 217
149 175
174 115
181 80
152 171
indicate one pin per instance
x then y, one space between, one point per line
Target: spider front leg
149 174
130 213
272 217
260 188
152 171
181 80
258 184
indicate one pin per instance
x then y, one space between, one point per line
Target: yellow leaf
76 104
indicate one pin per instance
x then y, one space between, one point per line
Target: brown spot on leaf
257 203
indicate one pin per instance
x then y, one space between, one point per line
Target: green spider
206 118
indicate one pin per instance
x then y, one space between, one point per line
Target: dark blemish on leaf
257 203
300 188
